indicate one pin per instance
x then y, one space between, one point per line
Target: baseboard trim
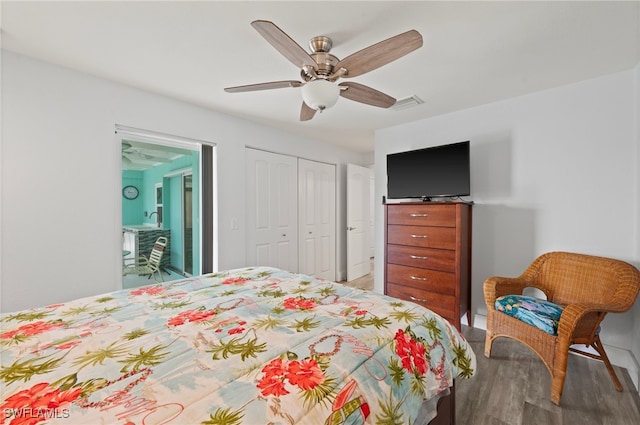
617 356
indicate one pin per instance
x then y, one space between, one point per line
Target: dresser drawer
444 305
430 280
423 236
422 215
425 258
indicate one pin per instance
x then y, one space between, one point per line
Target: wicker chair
585 287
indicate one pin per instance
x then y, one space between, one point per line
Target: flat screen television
438 171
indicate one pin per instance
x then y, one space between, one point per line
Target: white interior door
357 221
372 213
272 210
317 218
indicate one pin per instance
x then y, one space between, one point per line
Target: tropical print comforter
247 346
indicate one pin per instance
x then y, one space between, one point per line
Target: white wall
635 348
554 170
61 202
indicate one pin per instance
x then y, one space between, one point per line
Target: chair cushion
542 314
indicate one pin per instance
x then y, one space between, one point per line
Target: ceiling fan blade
381 53
363 94
137 159
264 86
284 44
306 113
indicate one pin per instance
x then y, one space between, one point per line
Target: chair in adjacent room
151 265
580 290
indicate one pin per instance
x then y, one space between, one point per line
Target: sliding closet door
272 206
317 218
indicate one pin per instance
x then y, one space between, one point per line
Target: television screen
439 171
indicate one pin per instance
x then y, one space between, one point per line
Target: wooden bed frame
446 409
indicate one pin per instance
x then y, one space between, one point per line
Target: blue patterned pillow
542 314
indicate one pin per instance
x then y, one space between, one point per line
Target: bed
246 346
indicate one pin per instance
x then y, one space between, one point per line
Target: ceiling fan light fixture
320 94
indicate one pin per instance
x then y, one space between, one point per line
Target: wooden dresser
428 256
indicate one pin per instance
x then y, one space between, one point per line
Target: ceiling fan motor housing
320 43
325 62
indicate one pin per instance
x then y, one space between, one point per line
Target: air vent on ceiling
407 102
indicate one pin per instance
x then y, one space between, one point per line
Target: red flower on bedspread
299 304
411 352
235 281
236 330
305 374
31 329
36 404
190 316
272 383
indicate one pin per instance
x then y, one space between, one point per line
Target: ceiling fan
137 155
320 69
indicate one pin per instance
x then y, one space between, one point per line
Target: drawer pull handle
419 236
419 215
424 300
418 278
417 257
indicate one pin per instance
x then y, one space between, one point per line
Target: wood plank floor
513 388
365 282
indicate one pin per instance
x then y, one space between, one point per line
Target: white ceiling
474 52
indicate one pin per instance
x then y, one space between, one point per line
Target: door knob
351 228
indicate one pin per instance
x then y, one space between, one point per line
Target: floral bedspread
246 346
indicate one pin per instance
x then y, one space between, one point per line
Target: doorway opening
169 194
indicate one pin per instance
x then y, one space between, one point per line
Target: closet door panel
317 218
272 202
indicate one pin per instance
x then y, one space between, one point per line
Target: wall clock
130 192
